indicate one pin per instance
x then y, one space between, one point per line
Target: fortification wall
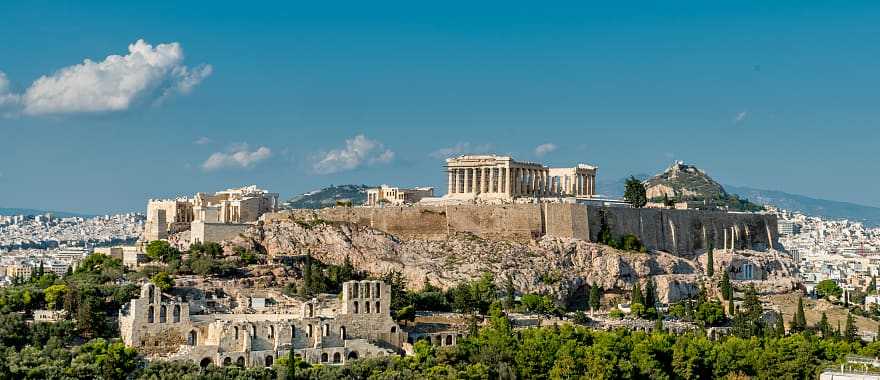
676 231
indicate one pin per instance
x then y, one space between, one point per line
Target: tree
54 294
824 327
160 250
828 288
799 320
510 293
710 262
851 333
636 296
635 193
163 281
872 286
595 297
726 287
779 331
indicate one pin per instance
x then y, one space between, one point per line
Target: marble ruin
488 177
396 196
208 217
210 327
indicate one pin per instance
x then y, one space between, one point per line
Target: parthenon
502 177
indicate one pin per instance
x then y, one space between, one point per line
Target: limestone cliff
550 264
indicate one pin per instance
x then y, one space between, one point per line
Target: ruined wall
205 232
676 231
680 231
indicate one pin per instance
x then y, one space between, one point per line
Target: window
271 332
162 314
337 357
325 330
393 329
324 357
377 306
355 307
236 332
367 290
342 332
152 296
192 340
176 314
366 308
269 361
378 290
354 290
150 314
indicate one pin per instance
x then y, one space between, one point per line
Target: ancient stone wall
676 231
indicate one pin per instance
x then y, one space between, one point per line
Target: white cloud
358 150
543 149
741 117
459 149
239 157
202 140
7 97
147 73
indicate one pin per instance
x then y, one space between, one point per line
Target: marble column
449 183
474 189
493 187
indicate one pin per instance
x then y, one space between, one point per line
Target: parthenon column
486 183
449 183
493 187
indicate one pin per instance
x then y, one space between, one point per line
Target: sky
104 105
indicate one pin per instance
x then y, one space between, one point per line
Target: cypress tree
779 331
730 307
511 293
710 262
637 294
726 288
824 326
595 298
851 329
800 318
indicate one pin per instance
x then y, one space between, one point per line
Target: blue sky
293 96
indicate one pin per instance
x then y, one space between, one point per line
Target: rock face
685 182
554 265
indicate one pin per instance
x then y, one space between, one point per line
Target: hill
812 206
328 196
681 182
28 211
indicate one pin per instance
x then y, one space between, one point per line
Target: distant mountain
328 197
811 206
614 189
28 211
682 182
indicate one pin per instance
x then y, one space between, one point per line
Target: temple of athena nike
491 177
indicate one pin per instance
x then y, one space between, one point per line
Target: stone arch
323 357
271 331
378 292
352 355
163 314
354 290
449 340
366 308
355 307
342 332
309 331
151 314
377 307
438 340
367 290
311 310
240 361
176 314
192 338
393 329
337 357
236 332
205 362
151 293
227 361
269 359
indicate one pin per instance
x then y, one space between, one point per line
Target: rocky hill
551 265
328 196
681 182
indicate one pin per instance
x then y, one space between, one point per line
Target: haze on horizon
104 105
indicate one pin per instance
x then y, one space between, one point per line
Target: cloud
358 151
7 98
459 149
146 74
741 117
543 149
239 157
202 140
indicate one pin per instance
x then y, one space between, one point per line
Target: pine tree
595 298
637 294
710 262
851 329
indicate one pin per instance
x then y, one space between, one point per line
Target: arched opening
205 362
269 361
162 314
176 314
152 294
227 362
352 355
377 306
342 332
271 332
393 329
438 340
336 357
150 314
367 290
311 310
236 332
192 339
449 340
325 330
366 308
292 331
240 361
324 357
309 331
378 290
354 290
253 331
355 304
